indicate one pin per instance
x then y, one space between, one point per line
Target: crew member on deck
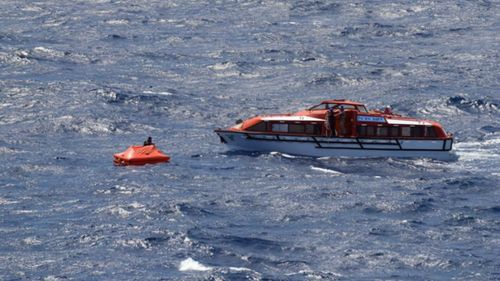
149 141
388 110
342 119
330 123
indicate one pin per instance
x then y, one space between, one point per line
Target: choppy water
81 80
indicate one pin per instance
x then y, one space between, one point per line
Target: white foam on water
476 155
328 171
53 278
122 211
137 205
239 269
222 66
21 212
478 150
119 211
158 93
191 265
133 243
275 153
313 275
48 51
4 201
32 9
118 22
31 241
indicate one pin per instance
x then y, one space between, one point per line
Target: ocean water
81 80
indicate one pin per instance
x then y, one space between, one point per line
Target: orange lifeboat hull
140 155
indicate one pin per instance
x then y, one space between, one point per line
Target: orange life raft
140 155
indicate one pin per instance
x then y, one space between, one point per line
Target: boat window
362 108
347 106
320 106
370 131
418 131
277 127
361 131
259 127
382 131
405 131
312 129
394 131
430 132
296 128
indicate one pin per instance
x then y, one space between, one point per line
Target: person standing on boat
388 110
330 122
342 118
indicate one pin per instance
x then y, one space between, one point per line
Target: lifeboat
140 155
341 128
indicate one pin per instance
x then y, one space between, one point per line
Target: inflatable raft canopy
140 155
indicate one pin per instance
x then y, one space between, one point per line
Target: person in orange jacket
330 123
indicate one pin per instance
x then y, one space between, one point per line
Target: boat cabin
355 121
284 124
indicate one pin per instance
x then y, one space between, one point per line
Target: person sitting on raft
148 141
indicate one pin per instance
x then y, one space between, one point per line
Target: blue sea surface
82 80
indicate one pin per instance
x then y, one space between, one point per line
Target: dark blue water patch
492 210
123 96
314 7
241 251
65 59
156 241
254 244
371 210
194 211
479 184
377 72
461 219
116 37
301 275
332 79
421 206
163 211
222 168
490 129
385 232
248 245
160 56
423 34
387 30
460 30
416 223
233 153
295 218
7 38
486 104
349 31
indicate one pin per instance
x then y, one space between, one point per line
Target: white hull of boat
339 147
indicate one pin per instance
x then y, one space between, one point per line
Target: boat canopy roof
341 102
347 104
291 118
